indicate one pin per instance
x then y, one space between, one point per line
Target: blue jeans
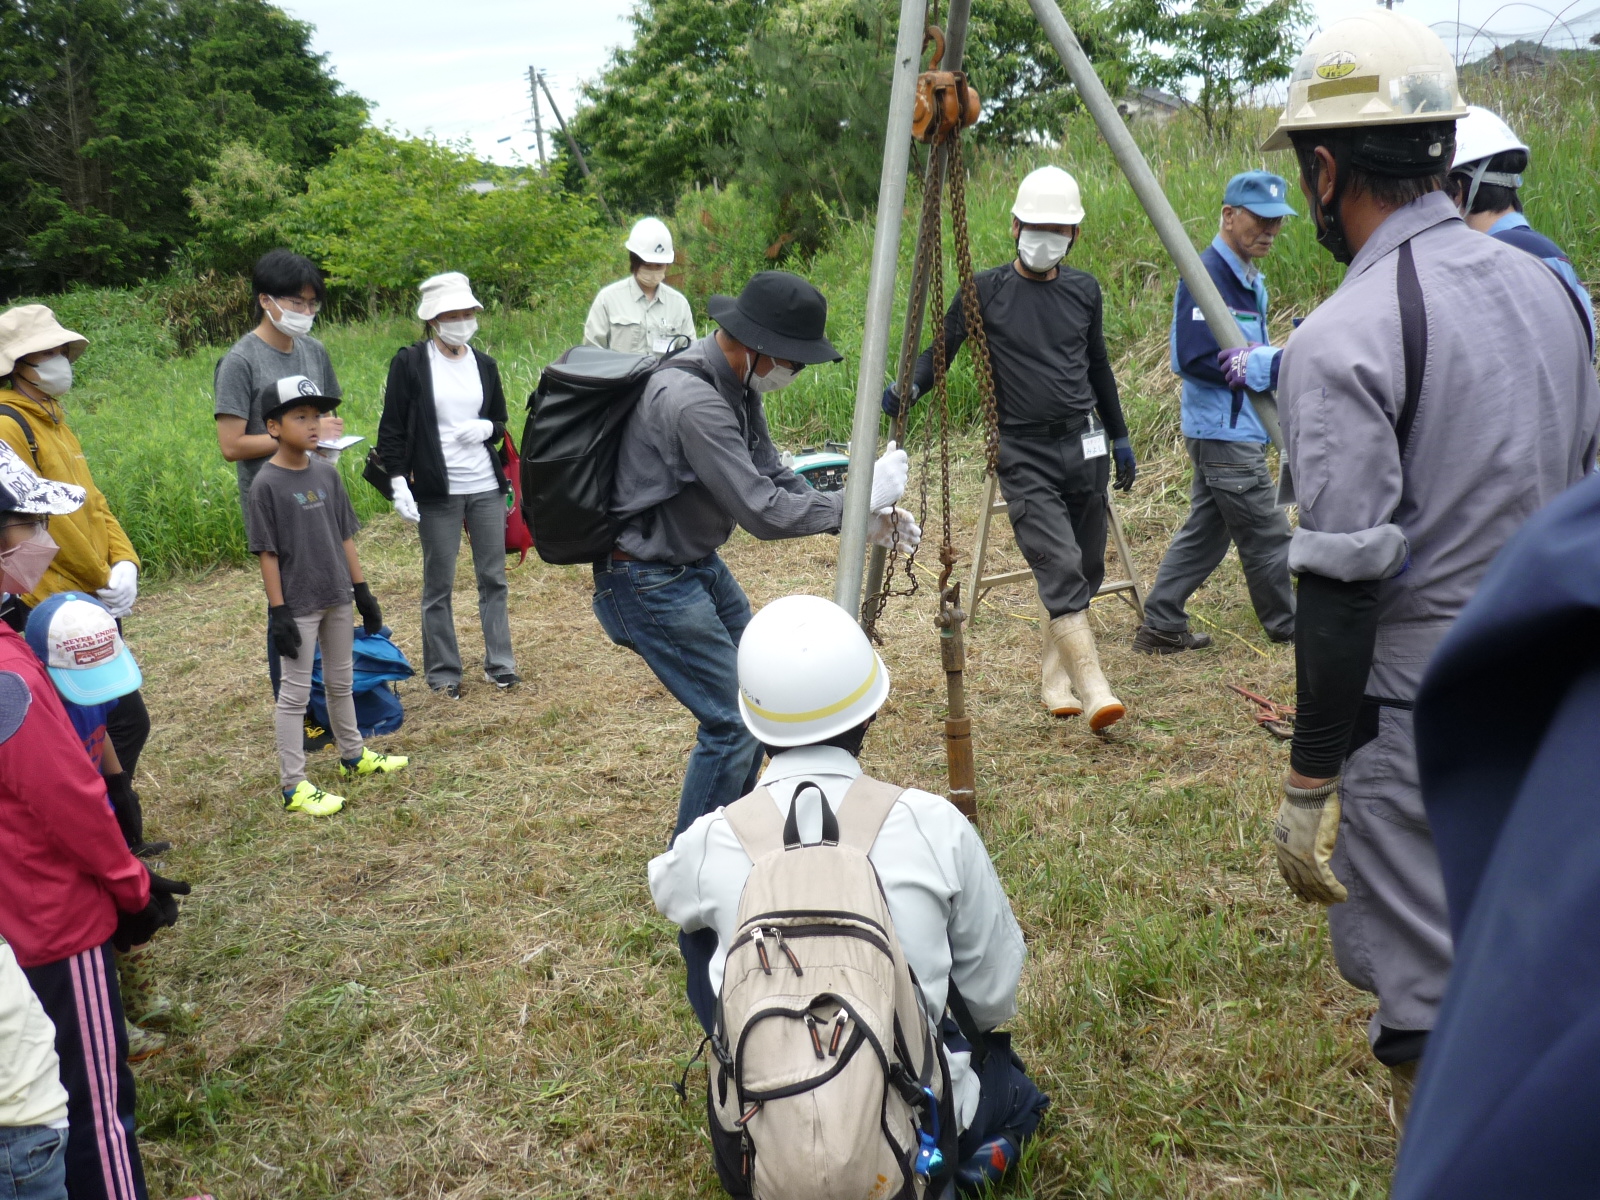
686 622
33 1163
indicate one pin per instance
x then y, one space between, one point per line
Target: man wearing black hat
695 461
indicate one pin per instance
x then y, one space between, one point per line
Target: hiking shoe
987 1165
373 763
1160 641
143 1043
450 691
316 736
505 681
308 798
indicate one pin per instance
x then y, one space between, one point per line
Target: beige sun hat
445 293
29 328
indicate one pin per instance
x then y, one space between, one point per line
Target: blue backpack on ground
379 664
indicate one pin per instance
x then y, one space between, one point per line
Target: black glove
1127 468
130 816
891 400
367 606
135 929
283 631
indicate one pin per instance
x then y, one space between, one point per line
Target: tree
1230 47
111 109
241 208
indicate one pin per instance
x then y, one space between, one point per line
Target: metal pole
572 145
880 306
955 43
538 128
1156 205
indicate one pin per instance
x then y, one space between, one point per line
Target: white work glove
403 503
123 589
1304 835
895 528
474 432
889 478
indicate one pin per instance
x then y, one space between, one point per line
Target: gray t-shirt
249 366
304 518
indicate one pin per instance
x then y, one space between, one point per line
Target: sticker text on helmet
1336 64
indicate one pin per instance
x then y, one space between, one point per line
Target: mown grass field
459 988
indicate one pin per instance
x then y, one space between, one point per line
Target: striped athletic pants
80 995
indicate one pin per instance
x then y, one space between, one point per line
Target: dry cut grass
459 988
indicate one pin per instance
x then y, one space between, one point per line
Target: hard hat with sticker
1336 65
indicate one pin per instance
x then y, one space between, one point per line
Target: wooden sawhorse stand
1129 587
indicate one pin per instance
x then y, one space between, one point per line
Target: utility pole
572 144
538 126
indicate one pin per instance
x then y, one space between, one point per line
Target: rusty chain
977 340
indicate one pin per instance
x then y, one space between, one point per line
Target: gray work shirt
249 366
697 460
1506 419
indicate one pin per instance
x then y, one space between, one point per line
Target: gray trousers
335 629
1056 500
1392 936
440 531
1231 499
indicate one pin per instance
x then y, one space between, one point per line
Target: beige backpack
826 1071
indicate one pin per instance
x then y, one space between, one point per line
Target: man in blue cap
1232 497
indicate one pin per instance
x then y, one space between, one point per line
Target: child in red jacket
69 887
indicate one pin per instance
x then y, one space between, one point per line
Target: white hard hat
807 672
651 240
1048 196
1378 68
1482 134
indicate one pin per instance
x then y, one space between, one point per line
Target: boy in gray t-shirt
302 526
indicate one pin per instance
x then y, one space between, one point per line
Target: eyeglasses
298 304
37 524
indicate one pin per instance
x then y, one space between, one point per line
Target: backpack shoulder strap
863 811
1413 341
756 822
27 430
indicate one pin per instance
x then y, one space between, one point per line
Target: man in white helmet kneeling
810 686
642 314
1061 425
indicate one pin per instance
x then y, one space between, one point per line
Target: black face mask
1330 229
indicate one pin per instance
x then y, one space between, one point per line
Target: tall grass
144 412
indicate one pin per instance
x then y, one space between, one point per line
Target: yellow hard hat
1379 68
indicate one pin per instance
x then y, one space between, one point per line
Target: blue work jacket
1513 229
1210 408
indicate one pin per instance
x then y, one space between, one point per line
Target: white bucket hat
445 293
29 328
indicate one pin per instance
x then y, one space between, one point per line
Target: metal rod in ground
957 725
879 307
910 337
572 144
1156 205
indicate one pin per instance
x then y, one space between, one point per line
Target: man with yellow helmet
1439 397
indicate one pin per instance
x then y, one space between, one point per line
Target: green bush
208 309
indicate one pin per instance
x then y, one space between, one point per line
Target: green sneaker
308 798
373 763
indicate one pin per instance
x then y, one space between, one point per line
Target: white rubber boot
1055 687
1075 641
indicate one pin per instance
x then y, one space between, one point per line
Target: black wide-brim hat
779 315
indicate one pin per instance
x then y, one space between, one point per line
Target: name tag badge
660 345
1094 444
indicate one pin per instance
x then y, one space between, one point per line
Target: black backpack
576 417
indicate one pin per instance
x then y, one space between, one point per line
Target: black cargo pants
1057 503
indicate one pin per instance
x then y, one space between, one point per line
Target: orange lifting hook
946 102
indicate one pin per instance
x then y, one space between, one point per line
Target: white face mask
776 379
291 324
456 333
53 376
1040 251
650 277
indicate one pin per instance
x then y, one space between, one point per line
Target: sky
460 69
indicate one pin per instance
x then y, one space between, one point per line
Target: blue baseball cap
77 640
1262 192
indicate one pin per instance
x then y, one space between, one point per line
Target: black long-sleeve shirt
1046 344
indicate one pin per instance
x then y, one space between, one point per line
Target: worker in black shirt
1058 408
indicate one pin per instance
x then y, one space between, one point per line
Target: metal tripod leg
1129 586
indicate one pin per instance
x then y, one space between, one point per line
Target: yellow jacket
90 539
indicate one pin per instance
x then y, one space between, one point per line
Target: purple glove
1232 364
